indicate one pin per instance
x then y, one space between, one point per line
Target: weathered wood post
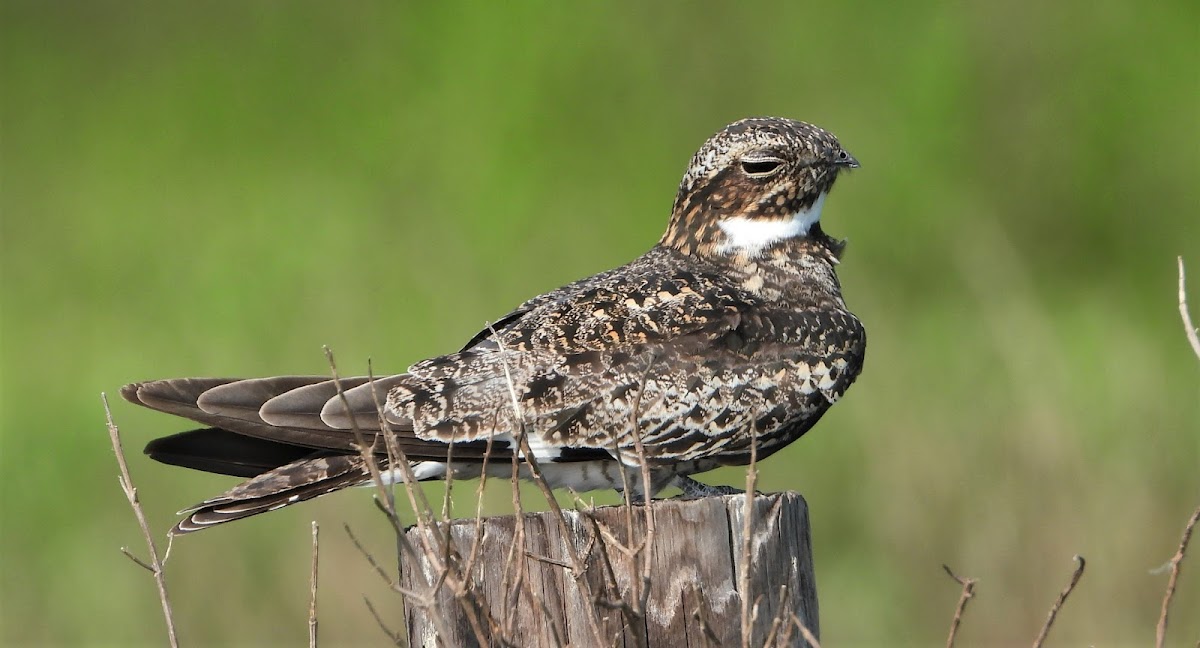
522 591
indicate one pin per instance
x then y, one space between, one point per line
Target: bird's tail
283 486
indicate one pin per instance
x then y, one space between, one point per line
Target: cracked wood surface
693 599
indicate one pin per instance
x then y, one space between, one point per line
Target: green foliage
221 188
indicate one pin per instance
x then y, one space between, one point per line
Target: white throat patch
752 236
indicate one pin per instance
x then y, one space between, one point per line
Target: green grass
221 188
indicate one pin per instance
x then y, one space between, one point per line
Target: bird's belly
576 475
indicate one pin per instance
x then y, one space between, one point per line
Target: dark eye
760 167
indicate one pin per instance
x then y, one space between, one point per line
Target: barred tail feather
293 483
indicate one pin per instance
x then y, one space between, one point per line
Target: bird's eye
761 167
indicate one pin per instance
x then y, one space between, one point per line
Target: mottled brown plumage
733 327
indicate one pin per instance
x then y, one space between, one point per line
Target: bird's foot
693 489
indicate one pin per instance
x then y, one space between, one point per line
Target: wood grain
692 598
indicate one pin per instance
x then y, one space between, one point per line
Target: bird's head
755 183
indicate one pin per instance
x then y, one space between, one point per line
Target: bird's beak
847 161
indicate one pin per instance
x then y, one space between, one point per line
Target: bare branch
577 567
156 564
312 589
547 560
781 620
805 632
477 542
1161 632
138 561
370 558
747 537
968 591
394 636
643 592
1062 598
385 499
1190 328
700 616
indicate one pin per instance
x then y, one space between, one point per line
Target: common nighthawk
732 327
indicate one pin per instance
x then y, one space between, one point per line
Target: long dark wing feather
225 453
181 397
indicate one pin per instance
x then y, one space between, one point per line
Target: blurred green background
221 188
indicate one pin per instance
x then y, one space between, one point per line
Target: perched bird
731 331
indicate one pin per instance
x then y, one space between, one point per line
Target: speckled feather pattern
704 360
696 347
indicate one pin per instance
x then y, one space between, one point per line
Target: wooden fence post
691 598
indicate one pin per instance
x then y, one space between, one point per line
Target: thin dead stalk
385 500
578 571
1062 598
312 588
643 594
805 632
514 563
1160 634
700 616
747 539
477 543
968 591
370 558
396 638
775 635
156 564
1176 560
1190 328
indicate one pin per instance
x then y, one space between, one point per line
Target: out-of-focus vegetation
221 188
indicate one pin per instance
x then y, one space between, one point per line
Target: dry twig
747 539
779 633
642 595
805 632
1190 328
156 564
312 589
385 499
968 591
578 571
396 638
1062 598
1172 580
700 615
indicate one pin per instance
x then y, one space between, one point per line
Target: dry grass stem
155 566
547 560
432 533
641 595
370 558
968 591
396 638
700 615
805 632
748 539
477 542
577 566
781 621
1193 338
513 572
1062 598
385 500
1161 630
312 588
